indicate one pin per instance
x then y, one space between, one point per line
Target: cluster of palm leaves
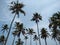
19 28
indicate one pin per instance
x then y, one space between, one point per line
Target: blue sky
44 7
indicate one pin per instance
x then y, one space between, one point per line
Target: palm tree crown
30 31
44 33
35 37
19 42
5 28
36 17
2 38
55 21
19 28
16 7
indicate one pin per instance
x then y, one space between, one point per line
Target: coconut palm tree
14 34
16 8
5 28
30 32
35 38
26 40
44 34
19 42
2 39
55 25
36 18
19 28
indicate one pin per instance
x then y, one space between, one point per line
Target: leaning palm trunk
13 41
45 42
30 40
38 34
9 29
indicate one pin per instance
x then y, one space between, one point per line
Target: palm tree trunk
38 34
25 42
10 29
59 42
30 40
3 42
13 41
55 41
45 42
36 42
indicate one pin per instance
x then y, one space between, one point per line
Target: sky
46 8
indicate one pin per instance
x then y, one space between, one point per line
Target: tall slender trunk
25 41
59 42
36 42
13 41
45 42
3 42
9 29
30 40
19 36
55 41
38 34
